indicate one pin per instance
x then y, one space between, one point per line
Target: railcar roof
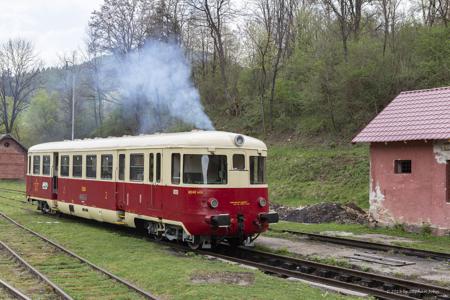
195 139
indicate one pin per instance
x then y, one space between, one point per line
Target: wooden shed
13 158
410 160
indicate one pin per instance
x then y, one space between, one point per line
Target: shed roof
412 115
5 136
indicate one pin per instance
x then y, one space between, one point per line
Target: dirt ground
325 212
434 271
238 278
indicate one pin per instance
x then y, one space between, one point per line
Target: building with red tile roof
410 160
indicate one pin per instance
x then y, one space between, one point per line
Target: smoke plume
155 87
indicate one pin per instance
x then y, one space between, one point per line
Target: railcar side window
46 165
65 161
204 169
151 167
106 166
36 165
137 167
257 170
158 167
175 168
77 167
239 162
121 166
91 166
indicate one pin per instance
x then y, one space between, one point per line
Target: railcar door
157 192
151 180
55 175
120 183
154 177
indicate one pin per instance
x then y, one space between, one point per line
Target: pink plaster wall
416 198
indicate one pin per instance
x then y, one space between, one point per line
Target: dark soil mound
324 213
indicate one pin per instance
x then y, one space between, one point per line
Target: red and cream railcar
199 187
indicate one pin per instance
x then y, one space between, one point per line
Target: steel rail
33 270
12 190
13 291
370 245
92 265
334 274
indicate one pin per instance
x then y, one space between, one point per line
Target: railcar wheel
195 244
158 237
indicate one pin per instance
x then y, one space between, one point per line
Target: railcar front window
36 165
46 165
204 169
77 167
137 167
29 164
91 166
239 162
106 166
257 170
65 161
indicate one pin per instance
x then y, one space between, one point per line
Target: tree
273 45
44 111
388 10
19 70
348 14
214 14
119 26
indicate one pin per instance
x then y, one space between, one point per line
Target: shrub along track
370 245
76 276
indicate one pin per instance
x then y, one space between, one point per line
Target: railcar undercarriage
171 232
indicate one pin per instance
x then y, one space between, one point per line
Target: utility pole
73 102
73 63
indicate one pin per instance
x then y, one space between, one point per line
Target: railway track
383 287
371 245
7 290
27 277
66 266
7 190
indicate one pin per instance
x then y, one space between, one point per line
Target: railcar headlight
262 202
213 203
239 140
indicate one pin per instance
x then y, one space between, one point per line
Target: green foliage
319 94
41 122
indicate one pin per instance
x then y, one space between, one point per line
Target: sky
55 27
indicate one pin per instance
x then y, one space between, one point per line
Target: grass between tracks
153 267
424 241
